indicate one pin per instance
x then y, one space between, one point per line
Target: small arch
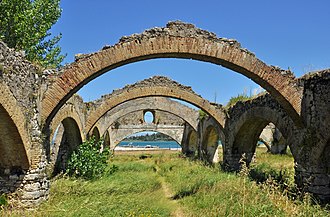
192 143
106 142
163 104
247 137
70 138
210 143
96 134
12 150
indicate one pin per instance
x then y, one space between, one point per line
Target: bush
88 161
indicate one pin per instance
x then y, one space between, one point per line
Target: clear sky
291 34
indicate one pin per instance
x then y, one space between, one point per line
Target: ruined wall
133 122
156 86
313 167
245 122
23 80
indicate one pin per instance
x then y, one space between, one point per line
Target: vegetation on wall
202 114
25 25
240 97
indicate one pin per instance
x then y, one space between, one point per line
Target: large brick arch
105 120
176 40
154 86
15 145
247 122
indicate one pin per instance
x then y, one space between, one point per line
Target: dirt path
178 212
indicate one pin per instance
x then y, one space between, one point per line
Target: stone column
314 180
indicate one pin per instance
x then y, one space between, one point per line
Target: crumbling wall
23 80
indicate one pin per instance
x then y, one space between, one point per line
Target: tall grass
141 187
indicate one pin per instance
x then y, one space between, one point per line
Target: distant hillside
149 137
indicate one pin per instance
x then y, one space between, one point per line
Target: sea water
143 144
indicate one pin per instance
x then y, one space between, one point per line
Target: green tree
25 24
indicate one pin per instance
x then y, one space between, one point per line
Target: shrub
88 161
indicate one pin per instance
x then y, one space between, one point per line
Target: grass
169 185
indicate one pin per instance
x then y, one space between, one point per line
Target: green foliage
240 97
88 162
202 114
24 25
3 200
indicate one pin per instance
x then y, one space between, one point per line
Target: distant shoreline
142 148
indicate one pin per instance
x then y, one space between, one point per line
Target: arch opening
158 106
106 141
272 138
12 151
250 136
68 140
148 140
96 134
210 144
192 143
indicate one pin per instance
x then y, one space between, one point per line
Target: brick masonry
178 40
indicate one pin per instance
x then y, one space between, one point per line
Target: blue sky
290 34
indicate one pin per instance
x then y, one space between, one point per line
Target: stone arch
96 133
106 142
68 111
15 145
210 143
154 86
12 151
189 115
248 135
120 138
70 138
248 120
210 133
130 123
193 142
176 40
